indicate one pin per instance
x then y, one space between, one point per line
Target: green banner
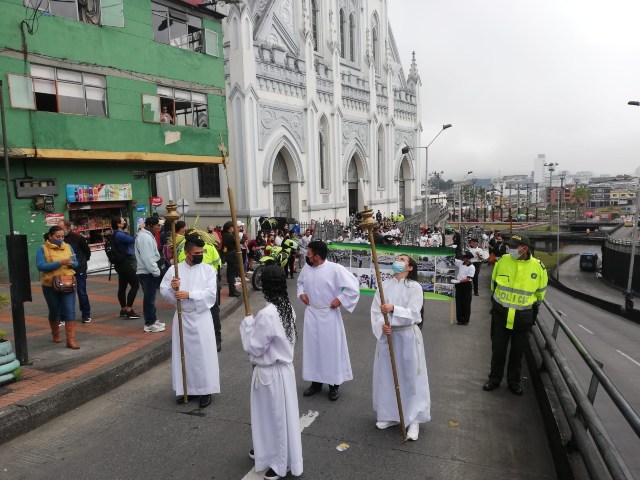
436 266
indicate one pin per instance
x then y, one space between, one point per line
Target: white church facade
318 110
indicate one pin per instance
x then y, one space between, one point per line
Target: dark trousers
149 284
83 298
463 302
290 267
475 277
127 277
233 270
215 312
62 306
500 337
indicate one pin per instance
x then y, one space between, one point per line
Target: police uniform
519 285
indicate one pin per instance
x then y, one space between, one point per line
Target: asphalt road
615 342
138 432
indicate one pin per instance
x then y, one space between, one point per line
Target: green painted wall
133 54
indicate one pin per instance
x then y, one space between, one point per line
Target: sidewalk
112 351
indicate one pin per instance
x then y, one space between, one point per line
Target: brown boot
70 329
55 331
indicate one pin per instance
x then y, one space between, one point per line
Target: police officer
519 283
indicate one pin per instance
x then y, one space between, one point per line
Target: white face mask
513 251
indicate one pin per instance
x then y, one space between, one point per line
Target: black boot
333 392
313 389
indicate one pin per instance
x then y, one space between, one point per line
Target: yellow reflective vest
210 256
518 284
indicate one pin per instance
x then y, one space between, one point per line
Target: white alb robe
407 300
325 354
275 419
201 357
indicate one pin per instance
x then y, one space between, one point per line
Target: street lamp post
634 238
463 179
563 175
405 150
551 167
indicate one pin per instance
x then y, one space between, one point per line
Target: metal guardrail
602 459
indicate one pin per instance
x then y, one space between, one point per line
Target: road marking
305 420
586 329
628 357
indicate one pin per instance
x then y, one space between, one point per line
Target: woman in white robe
197 293
269 339
404 300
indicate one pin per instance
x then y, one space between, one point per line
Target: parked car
588 261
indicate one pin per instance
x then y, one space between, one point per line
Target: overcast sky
517 78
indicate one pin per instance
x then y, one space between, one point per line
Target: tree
581 196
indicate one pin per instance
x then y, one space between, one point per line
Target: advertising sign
98 192
436 266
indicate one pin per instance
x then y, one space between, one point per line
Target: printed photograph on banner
385 259
341 257
427 280
361 259
446 263
444 289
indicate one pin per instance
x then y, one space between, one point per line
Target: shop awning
96 155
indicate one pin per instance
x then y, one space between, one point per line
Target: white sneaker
153 328
383 425
61 323
414 429
159 324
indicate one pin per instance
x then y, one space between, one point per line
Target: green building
100 96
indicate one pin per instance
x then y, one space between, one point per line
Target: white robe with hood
275 419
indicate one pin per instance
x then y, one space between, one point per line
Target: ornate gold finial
368 222
172 214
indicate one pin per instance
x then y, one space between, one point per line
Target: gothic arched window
343 39
352 38
315 13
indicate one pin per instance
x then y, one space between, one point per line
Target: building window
59 90
109 13
343 39
314 23
182 30
352 38
209 181
323 169
380 160
172 106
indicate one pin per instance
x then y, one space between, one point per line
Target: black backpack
114 255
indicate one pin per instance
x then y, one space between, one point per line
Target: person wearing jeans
83 254
147 257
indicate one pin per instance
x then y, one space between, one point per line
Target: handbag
492 259
64 283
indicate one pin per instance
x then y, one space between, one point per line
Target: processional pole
369 224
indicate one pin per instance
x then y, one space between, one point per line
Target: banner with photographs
436 266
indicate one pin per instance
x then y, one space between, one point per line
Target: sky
519 78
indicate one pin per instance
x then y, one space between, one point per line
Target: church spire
413 71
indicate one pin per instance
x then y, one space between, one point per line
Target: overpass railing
601 458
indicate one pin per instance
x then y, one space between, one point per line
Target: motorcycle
276 256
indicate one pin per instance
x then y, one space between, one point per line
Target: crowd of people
518 284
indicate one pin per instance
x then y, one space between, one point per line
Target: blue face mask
56 242
398 267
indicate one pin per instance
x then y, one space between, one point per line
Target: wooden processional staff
368 223
172 217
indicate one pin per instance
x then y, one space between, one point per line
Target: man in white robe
324 287
404 300
275 421
196 290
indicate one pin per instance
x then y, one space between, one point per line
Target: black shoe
86 319
123 313
131 315
515 389
271 475
251 454
313 389
333 393
487 387
475 293
235 293
205 401
180 399
218 346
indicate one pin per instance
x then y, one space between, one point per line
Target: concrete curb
38 410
